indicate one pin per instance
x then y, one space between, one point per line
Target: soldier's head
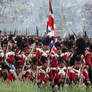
5 44
12 45
72 37
31 41
61 62
19 66
44 61
26 48
34 63
78 62
46 43
58 46
80 44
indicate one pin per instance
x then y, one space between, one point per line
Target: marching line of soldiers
46 60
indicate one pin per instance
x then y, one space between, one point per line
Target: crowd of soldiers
46 59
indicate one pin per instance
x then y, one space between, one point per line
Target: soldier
78 74
31 73
22 55
16 74
56 55
59 48
43 51
88 56
10 56
43 75
4 64
60 73
46 43
79 50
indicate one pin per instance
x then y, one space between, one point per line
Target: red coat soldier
16 74
89 61
43 73
31 73
78 73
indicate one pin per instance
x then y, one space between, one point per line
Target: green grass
30 87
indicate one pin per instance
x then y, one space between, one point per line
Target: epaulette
11 70
44 54
29 71
39 49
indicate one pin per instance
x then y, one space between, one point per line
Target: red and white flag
51 30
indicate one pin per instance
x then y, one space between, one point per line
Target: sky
25 15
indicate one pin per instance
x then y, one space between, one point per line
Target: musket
37 31
15 74
15 32
81 70
66 73
85 35
74 33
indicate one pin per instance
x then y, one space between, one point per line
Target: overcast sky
27 14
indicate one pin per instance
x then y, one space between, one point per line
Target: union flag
51 30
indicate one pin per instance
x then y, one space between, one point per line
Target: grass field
30 87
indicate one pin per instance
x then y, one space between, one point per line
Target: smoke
25 15
76 17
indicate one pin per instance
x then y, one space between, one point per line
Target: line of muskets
38 67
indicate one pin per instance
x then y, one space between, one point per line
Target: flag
51 30
54 50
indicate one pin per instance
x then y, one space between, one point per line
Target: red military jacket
43 75
31 74
11 76
53 61
58 73
89 59
62 72
76 74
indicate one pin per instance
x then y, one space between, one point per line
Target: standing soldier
89 61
